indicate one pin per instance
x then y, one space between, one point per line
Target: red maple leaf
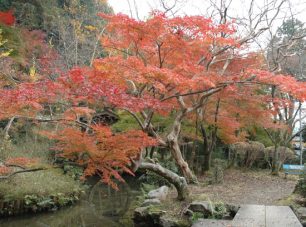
7 18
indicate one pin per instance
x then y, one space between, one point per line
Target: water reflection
102 207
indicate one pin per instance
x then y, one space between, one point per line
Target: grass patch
38 191
41 183
288 201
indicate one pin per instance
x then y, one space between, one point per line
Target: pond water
102 207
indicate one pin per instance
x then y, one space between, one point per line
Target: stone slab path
256 216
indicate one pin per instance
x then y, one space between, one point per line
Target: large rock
232 209
149 202
204 207
140 212
160 193
145 217
170 222
151 216
188 212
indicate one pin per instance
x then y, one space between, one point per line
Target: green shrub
74 171
196 216
301 186
219 211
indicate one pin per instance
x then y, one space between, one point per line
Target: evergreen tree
72 26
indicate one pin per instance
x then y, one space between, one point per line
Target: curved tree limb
21 171
179 182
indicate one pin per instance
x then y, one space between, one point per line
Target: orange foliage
4 170
21 161
101 151
163 54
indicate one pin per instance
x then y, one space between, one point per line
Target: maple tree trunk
179 182
208 148
206 162
192 158
173 144
275 165
150 153
182 164
205 159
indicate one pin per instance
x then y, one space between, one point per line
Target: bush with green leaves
196 216
219 210
301 186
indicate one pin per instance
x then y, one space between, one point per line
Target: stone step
256 216
250 216
265 216
281 216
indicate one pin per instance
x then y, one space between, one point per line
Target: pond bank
100 205
38 191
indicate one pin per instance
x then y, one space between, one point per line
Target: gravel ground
247 187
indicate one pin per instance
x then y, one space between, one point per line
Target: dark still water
102 207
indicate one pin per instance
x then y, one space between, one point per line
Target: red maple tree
179 67
183 62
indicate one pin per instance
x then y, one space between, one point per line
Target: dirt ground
247 187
